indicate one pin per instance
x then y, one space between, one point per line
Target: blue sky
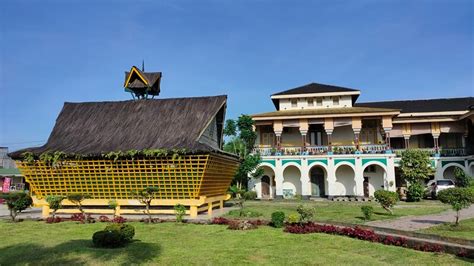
52 52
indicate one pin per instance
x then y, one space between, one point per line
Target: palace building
321 142
108 150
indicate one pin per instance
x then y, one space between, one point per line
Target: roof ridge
159 99
413 100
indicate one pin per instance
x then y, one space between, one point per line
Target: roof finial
143 65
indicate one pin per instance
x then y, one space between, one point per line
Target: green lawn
464 230
348 212
69 243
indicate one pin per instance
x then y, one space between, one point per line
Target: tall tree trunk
13 215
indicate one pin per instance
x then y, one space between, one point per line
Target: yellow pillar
117 212
45 211
209 209
193 211
221 204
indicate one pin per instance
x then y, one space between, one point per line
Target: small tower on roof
142 84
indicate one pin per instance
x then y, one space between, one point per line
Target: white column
278 178
359 177
390 175
331 177
305 180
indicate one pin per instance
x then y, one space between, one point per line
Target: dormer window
310 102
335 100
294 102
319 102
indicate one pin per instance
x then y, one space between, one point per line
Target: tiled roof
315 88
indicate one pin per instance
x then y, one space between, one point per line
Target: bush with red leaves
119 220
51 220
104 219
220 220
79 217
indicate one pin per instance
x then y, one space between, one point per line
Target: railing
442 152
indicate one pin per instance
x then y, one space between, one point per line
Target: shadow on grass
76 252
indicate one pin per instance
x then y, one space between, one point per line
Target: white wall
345 181
376 179
327 102
291 179
342 136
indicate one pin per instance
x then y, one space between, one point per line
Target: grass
348 212
465 230
69 243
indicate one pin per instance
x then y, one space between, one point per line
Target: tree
17 202
77 198
242 140
145 196
460 178
458 198
387 199
237 194
415 166
54 202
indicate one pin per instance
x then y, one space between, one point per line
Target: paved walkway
413 223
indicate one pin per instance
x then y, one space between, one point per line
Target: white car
435 186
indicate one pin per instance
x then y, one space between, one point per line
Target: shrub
367 211
293 218
180 211
278 219
77 199
250 195
387 199
306 213
458 198
104 219
82 218
145 196
113 204
415 192
126 230
16 202
108 239
241 225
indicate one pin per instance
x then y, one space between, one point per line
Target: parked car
435 186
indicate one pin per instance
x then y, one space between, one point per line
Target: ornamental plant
458 198
145 196
113 204
180 211
278 219
77 199
16 202
367 211
306 213
54 202
387 199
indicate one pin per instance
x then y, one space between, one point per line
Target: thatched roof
99 127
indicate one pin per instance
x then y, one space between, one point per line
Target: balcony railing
442 152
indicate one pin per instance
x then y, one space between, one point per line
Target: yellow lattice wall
187 177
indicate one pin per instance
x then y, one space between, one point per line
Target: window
335 100
294 103
310 102
319 102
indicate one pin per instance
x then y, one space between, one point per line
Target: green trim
324 161
443 163
352 161
283 162
272 162
9 171
380 160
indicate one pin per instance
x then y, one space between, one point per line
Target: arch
266 164
320 164
291 181
318 180
448 170
375 179
288 164
263 188
339 164
345 184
